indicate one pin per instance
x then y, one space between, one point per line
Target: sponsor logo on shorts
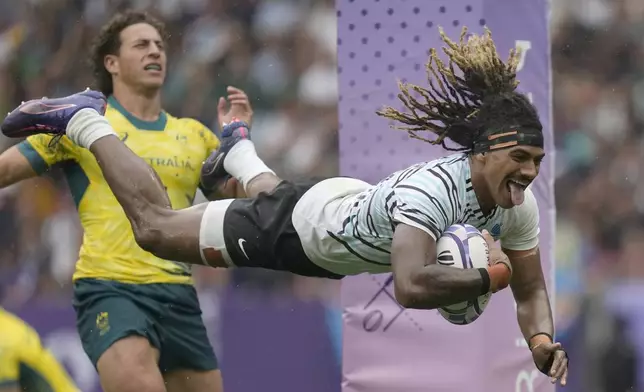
240 242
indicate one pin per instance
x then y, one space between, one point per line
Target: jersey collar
158 125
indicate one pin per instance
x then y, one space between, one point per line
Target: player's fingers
237 97
239 101
243 104
552 347
558 365
564 378
221 105
549 347
562 369
488 238
235 90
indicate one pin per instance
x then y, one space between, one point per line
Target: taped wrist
499 277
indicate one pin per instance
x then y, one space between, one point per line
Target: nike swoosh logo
216 163
42 108
209 167
241 246
125 136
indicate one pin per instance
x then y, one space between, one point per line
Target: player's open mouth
517 191
152 67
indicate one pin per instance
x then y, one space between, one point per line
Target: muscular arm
419 282
14 167
529 288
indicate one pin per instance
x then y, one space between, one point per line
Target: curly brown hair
108 42
463 108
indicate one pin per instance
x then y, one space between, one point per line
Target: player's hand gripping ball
463 246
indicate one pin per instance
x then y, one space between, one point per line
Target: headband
513 137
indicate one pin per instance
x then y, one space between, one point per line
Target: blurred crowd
598 76
283 54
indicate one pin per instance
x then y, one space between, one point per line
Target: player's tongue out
517 192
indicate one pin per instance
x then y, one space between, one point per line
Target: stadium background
283 53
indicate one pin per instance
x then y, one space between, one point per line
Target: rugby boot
50 115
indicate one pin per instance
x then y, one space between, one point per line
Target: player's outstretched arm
530 293
420 283
534 313
14 167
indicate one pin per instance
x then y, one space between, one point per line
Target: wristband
544 335
485 278
499 277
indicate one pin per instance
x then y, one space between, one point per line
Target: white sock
243 163
87 126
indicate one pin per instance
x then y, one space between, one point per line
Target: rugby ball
463 246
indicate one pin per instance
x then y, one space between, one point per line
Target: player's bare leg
162 231
168 234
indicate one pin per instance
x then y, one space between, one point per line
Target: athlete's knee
130 365
149 231
148 238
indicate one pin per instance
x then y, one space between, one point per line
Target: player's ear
111 64
481 158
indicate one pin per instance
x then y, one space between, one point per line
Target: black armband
485 277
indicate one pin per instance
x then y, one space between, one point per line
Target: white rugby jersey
346 225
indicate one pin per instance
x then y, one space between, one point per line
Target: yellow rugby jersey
25 363
174 147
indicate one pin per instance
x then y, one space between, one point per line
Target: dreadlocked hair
464 107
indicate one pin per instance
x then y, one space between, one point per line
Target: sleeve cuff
432 231
521 245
